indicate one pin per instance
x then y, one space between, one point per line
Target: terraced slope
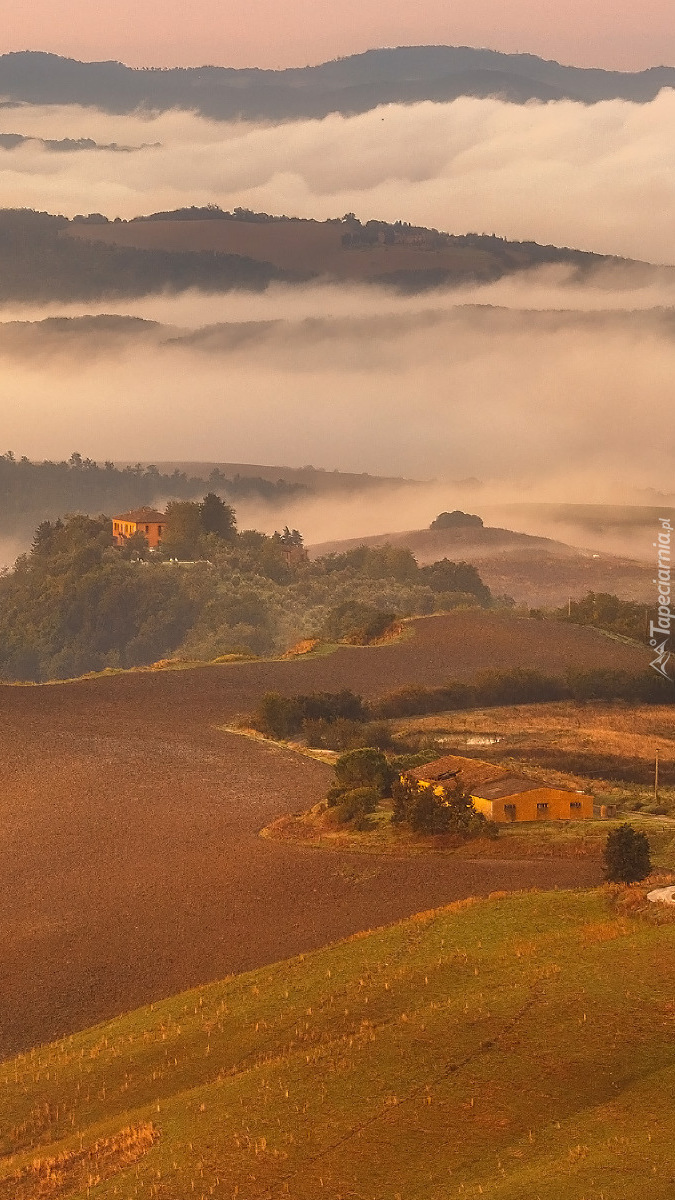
518 1047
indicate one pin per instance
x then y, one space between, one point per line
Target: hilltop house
499 794
147 521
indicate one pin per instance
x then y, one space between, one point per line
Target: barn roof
473 771
485 780
140 515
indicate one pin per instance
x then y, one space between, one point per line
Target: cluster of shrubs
425 812
653 808
520 686
283 717
356 623
363 778
603 610
344 720
343 734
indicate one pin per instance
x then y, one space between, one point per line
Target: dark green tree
627 858
365 768
460 577
183 529
427 812
218 517
278 716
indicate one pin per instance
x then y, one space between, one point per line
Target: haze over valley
336 517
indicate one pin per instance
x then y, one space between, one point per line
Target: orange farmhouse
499 794
147 521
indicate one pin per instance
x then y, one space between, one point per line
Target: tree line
34 491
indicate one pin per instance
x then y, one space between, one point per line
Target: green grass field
519 1047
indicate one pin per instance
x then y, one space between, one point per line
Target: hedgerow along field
514 1047
130 857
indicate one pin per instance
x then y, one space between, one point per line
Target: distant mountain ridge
357 84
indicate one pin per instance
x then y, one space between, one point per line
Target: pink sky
276 33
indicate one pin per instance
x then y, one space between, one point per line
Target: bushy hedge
362 778
344 720
342 734
356 623
356 805
282 717
519 686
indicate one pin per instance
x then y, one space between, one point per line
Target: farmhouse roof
141 515
473 771
485 780
510 785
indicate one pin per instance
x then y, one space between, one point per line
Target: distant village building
293 555
147 521
499 794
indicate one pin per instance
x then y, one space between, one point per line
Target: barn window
510 812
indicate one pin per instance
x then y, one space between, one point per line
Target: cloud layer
540 386
559 405
598 178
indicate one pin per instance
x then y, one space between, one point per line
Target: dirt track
129 860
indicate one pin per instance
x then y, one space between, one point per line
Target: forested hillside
76 603
358 83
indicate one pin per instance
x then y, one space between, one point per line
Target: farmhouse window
575 804
510 812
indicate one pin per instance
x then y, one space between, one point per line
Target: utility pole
656 778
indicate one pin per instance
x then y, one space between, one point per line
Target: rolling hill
535 571
411 256
402 75
129 855
399 1063
45 257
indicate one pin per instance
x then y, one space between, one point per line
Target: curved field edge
317 829
428 650
516 1046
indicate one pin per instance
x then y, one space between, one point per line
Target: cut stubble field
130 856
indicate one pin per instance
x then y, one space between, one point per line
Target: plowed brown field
307 246
129 857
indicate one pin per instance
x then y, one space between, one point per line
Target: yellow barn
499 794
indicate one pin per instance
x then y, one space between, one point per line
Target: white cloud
597 177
